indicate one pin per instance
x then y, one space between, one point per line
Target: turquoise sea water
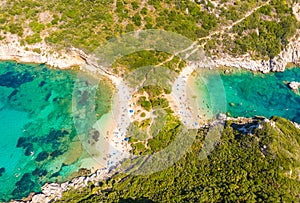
37 132
251 94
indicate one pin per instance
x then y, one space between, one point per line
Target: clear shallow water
254 94
37 135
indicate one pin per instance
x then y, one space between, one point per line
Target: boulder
294 86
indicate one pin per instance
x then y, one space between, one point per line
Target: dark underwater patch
56 153
2 170
48 96
39 172
42 156
13 94
15 79
29 149
22 141
42 84
23 186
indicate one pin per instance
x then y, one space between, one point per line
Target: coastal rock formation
291 54
11 49
296 10
54 191
294 86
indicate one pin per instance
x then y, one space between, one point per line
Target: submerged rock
54 175
22 141
56 134
29 149
2 170
42 156
24 186
56 153
15 79
84 98
95 135
42 83
48 96
39 172
13 94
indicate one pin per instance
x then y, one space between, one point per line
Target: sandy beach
112 147
119 148
181 99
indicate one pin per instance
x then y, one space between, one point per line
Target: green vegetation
87 24
242 168
148 58
32 39
264 33
37 50
144 103
157 132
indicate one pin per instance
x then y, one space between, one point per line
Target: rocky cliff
43 53
11 49
291 54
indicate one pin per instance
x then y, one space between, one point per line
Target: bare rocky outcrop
296 11
297 125
291 54
294 86
54 191
11 49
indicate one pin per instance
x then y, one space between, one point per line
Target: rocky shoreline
291 54
53 191
41 53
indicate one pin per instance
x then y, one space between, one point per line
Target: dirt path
225 28
115 16
219 31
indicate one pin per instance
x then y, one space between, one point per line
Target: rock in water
294 86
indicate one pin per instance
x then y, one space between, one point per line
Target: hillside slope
259 167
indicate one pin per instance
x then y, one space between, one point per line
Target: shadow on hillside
139 200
